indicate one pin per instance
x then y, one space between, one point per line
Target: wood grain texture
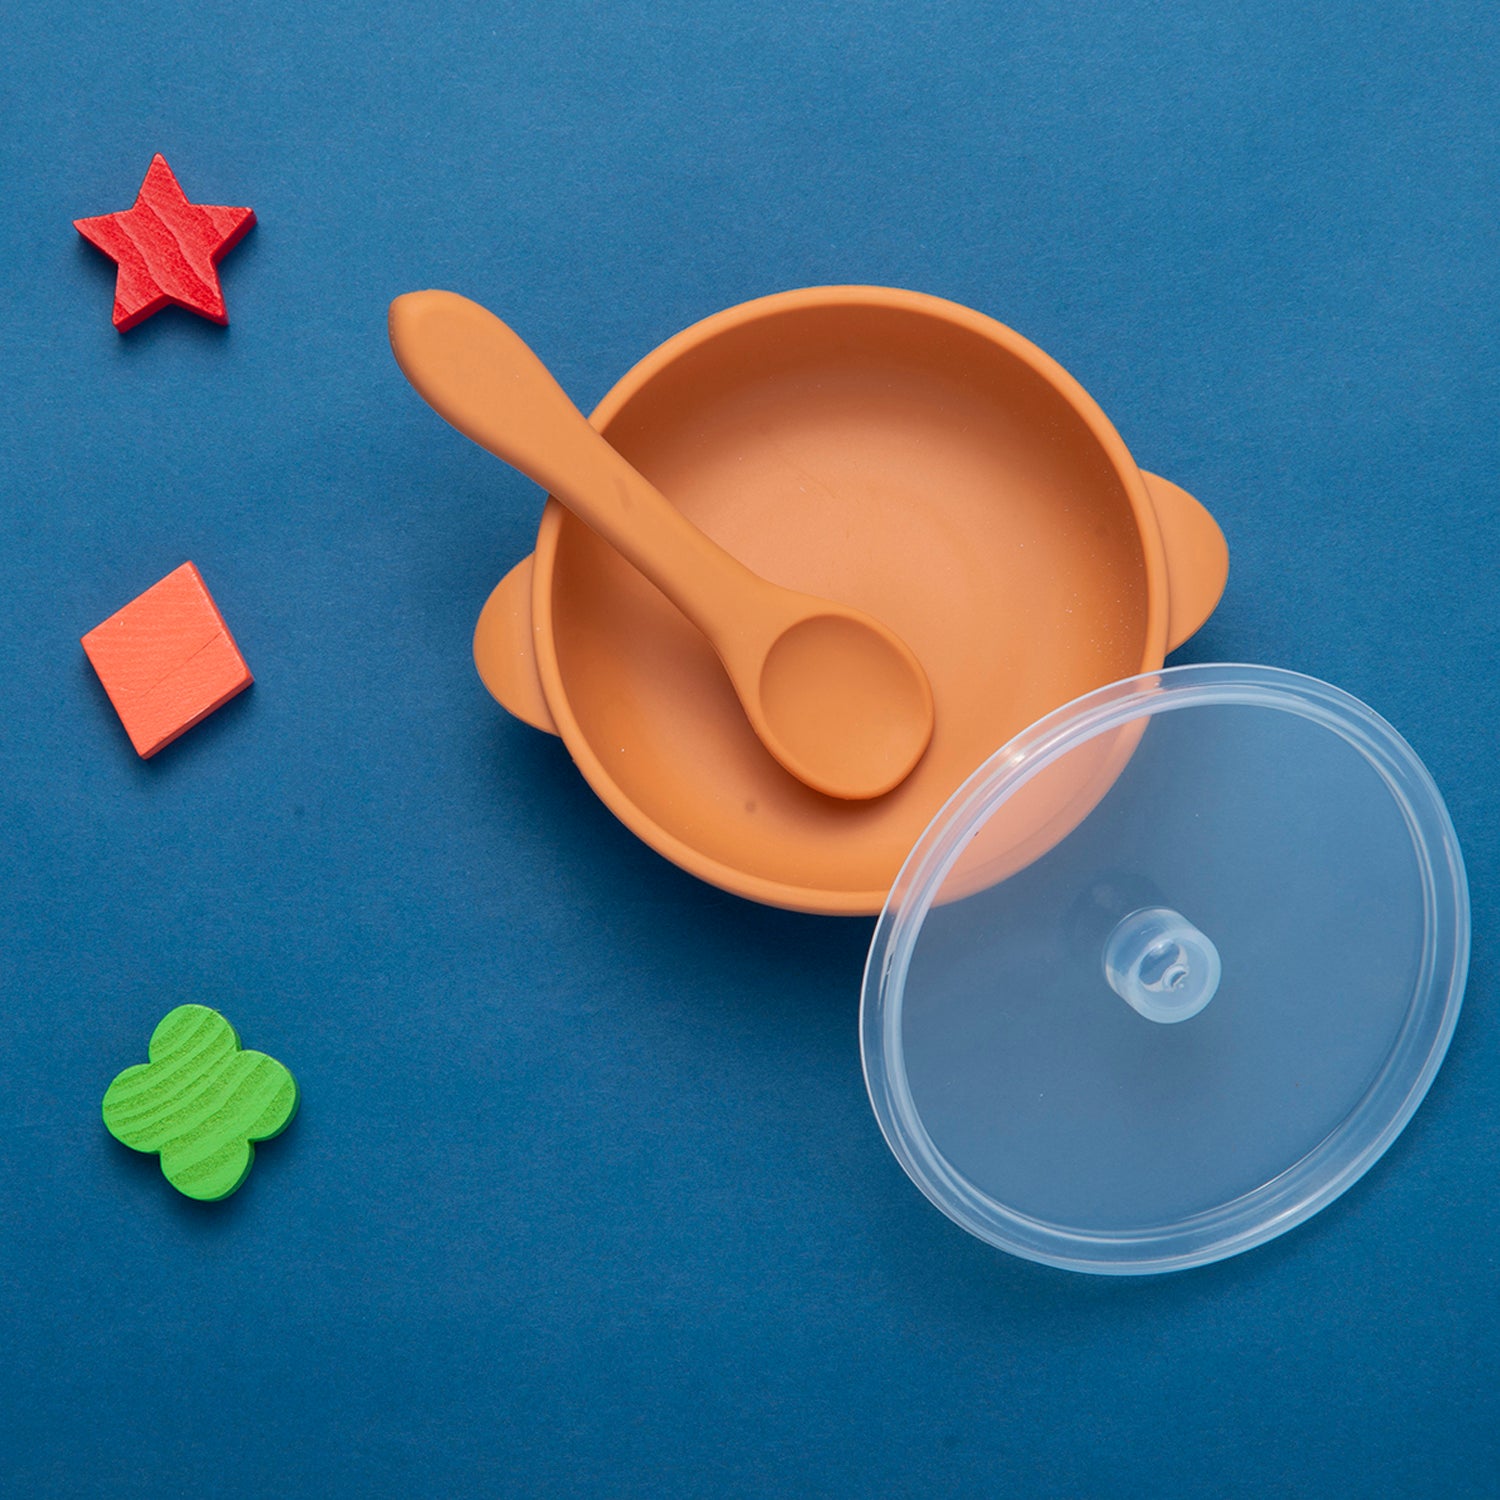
167 660
201 1102
167 249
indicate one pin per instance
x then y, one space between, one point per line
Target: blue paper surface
585 1196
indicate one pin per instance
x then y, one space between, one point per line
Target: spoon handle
482 378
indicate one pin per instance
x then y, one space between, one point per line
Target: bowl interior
910 461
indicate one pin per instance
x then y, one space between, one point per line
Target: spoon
837 698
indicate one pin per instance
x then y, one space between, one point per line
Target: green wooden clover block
201 1102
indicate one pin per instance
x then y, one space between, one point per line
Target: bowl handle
504 652
1197 558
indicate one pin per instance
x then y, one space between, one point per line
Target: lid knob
1161 965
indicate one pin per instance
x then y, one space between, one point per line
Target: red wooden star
167 249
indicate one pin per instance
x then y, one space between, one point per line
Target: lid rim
1307 1184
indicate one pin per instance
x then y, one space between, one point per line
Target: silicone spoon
837 698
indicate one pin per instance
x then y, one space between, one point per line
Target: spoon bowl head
844 705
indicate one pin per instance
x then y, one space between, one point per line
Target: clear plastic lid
1169 972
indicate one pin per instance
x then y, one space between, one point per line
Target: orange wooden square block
167 660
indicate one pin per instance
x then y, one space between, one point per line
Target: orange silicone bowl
895 451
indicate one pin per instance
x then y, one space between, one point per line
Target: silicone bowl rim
813 899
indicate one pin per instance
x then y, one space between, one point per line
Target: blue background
585 1196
